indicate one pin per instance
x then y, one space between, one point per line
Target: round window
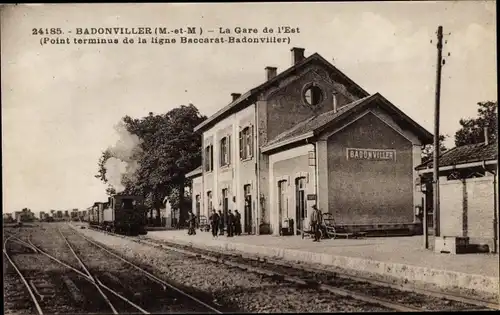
313 95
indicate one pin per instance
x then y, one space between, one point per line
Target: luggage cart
334 230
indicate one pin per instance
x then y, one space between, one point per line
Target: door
225 205
248 209
300 203
197 209
282 203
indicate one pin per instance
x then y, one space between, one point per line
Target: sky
60 103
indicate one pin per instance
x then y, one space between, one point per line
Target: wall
197 189
239 172
451 207
367 191
286 105
416 150
467 208
289 165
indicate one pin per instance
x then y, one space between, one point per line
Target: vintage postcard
249 157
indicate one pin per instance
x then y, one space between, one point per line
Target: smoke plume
123 162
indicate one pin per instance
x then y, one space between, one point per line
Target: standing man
214 222
221 223
192 224
230 223
237 222
316 221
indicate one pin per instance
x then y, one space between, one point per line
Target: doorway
225 204
300 203
282 203
248 209
197 209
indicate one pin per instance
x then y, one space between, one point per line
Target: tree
472 130
169 150
428 149
101 172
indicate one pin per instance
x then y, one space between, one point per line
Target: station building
310 135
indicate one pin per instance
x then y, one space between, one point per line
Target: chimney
235 96
486 140
271 72
297 55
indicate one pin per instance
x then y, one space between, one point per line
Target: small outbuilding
468 188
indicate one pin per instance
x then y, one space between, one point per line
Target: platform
400 258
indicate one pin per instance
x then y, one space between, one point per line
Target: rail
151 276
89 274
89 279
427 292
23 279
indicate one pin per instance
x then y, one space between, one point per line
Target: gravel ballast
231 287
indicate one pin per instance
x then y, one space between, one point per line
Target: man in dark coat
237 222
221 223
214 223
316 221
191 224
230 223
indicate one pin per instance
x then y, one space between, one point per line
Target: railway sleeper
42 288
73 290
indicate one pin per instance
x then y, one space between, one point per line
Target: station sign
311 197
371 154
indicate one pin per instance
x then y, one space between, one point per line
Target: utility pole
435 162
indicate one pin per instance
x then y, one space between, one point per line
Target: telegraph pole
436 132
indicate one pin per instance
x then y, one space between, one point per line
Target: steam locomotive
121 214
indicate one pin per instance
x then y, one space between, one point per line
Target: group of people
232 223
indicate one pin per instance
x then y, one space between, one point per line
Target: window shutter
251 141
207 159
241 146
204 159
221 152
228 150
211 157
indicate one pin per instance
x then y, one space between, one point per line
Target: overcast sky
60 102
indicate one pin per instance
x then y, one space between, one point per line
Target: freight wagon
122 214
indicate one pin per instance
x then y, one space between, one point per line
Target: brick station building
310 135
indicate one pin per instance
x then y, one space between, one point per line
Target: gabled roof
197 171
250 96
469 153
315 125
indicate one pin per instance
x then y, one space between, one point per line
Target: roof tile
465 154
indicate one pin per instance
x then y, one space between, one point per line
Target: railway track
377 292
49 283
134 290
23 279
158 293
